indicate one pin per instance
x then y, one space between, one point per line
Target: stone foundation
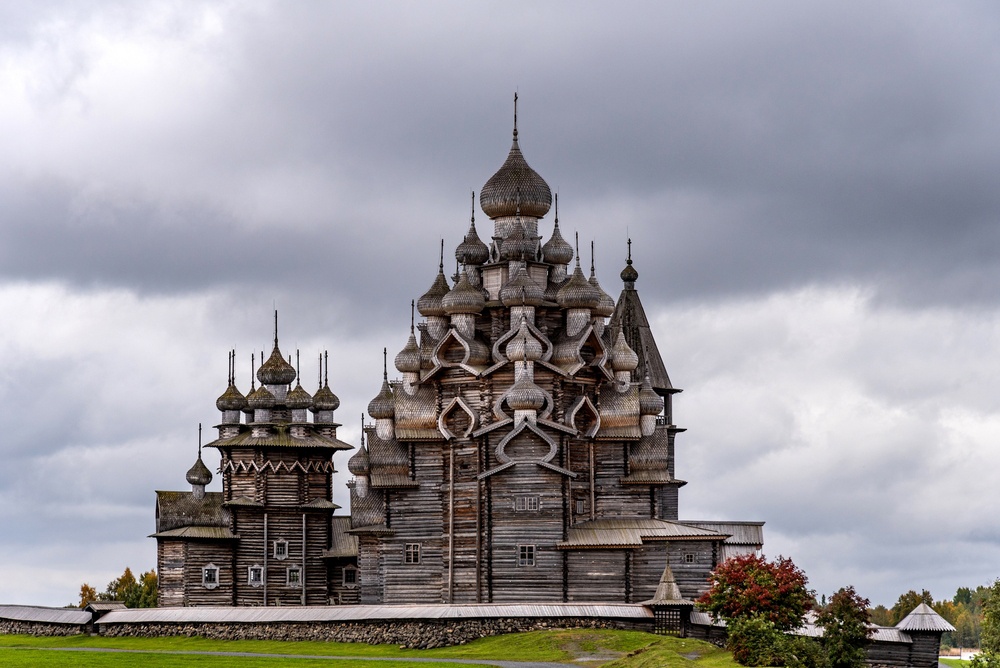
11 627
408 634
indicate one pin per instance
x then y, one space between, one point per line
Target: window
525 555
255 576
411 553
688 558
350 577
581 507
281 549
294 577
526 503
210 576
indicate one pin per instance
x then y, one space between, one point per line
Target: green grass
625 649
954 663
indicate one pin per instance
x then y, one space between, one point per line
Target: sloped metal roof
104 606
349 613
923 618
197 533
614 533
740 533
281 438
31 613
342 544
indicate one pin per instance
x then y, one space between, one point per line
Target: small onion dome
408 359
231 400
606 304
199 473
325 400
276 370
463 298
557 250
577 292
629 274
524 395
623 358
524 347
515 184
383 406
298 398
650 403
359 464
261 398
472 250
520 290
517 245
430 303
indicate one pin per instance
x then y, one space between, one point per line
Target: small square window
411 553
688 558
350 577
281 549
294 577
526 503
255 576
581 507
525 555
210 576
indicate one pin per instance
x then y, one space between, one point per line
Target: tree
87 595
845 628
989 637
750 586
880 615
907 602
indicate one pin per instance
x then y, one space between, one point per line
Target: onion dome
606 304
199 473
472 250
520 290
557 250
629 274
650 403
298 398
261 398
515 183
623 358
577 292
408 359
524 347
463 298
359 464
276 370
325 400
517 245
383 406
231 400
430 303
524 395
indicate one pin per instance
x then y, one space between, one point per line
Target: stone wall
13 627
408 634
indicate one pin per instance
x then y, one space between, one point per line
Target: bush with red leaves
750 586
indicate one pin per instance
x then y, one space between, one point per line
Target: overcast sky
812 189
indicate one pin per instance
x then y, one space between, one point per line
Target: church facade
525 454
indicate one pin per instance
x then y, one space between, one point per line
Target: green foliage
756 641
880 615
750 586
907 602
133 593
989 640
845 628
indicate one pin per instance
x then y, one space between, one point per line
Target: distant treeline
964 611
133 593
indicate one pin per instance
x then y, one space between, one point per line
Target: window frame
297 583
214 582
411 553
257 581
527 503
526 555
688 558
283 544
354 576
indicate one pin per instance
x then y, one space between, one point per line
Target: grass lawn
954 663
613 649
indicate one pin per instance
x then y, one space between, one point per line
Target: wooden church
525 454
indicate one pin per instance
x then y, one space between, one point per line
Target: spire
253 371
515 117
629 274
385 363
275 328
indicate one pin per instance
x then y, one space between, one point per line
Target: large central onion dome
515 183
276 371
